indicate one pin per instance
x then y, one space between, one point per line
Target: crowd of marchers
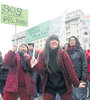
54 73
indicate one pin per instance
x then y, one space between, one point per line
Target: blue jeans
79 93
2 84
35 78
57 97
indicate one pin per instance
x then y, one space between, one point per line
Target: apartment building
73 27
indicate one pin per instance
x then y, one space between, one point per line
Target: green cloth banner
37 32
14 16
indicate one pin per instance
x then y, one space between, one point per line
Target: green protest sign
37 32
13 15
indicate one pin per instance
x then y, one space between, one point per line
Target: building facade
18 38
73 27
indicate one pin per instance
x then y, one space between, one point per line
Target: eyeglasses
72 40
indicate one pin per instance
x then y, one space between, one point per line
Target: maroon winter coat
67 70
88 61
13 61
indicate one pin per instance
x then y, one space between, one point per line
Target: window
78 37
67 39
68 33
77 31
67 26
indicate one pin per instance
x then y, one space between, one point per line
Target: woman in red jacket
20 80
57 70
88 60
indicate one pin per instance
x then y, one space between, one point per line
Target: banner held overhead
14 16
37 32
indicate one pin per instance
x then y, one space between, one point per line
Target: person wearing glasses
79 60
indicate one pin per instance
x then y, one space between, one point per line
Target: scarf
54 67
73 49
25 67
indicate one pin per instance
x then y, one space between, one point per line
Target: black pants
2 84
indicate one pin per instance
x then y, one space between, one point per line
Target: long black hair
78 45
46 51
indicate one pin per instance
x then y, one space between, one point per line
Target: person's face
53 44
66 46
23 49
31 47
72 42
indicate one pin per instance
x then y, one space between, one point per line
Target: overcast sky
39 11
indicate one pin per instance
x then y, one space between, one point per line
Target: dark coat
1 61
68 72
4 72
31 54
79 61
13 61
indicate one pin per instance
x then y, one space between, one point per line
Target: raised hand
33 62
26 56
14 49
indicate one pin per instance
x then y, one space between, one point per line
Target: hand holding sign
33 62
14 49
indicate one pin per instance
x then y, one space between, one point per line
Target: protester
57 70
20 80
78 57
37 77
65 46
31 48
1 60
88 74
3 77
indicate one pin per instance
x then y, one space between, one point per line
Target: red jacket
88 60
13 61
67 70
